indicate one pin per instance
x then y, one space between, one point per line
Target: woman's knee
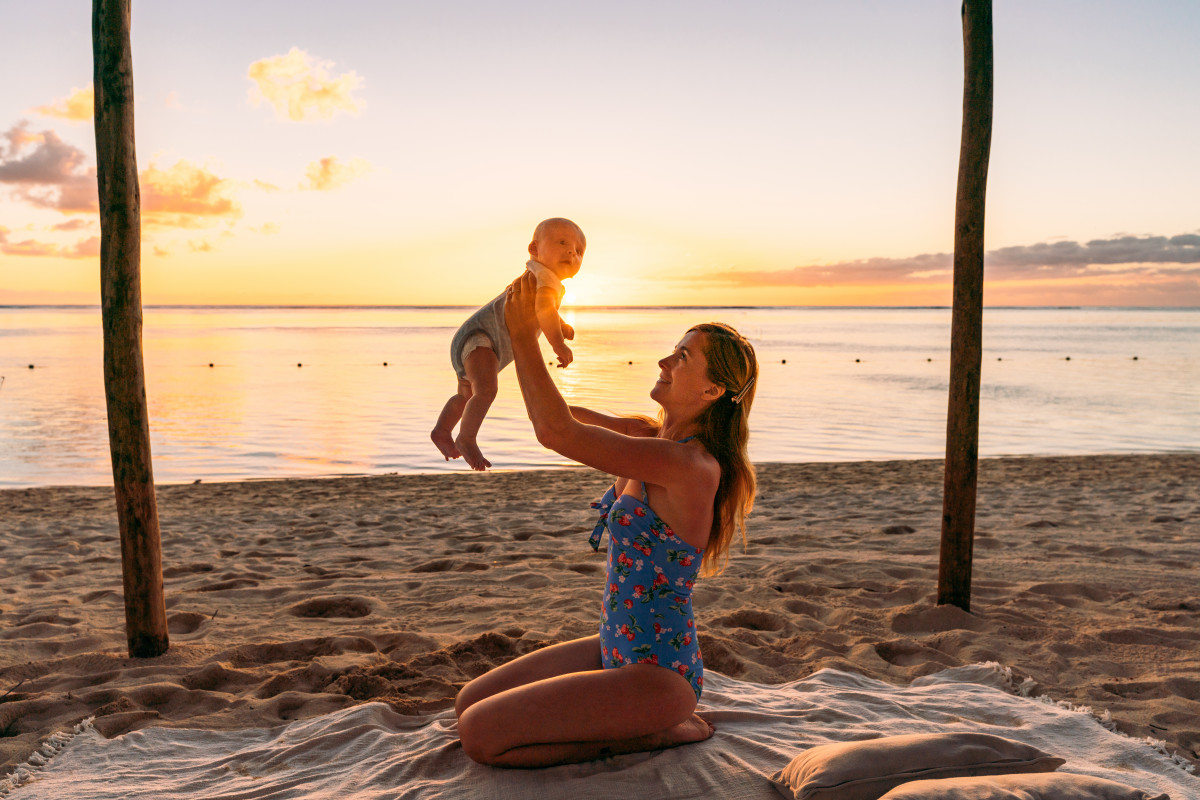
467 696
473 734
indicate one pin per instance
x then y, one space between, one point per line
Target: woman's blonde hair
724 429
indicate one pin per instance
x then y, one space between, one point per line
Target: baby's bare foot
470 453
694 729
445 443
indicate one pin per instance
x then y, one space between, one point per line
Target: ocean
266 392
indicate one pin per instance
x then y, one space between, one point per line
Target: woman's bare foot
445 443
470 453
693 729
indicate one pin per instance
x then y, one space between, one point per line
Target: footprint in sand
804 609
752 619
254 655
221 586
218 678
187 569
345 607
1071 594
1145 637
1188 688
907 653
184 622
450 565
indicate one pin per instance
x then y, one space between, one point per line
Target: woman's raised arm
658 461
630 426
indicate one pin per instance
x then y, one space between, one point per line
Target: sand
288 599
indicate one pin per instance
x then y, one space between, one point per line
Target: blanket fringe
53 745
1026 688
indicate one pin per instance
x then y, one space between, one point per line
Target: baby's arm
546 305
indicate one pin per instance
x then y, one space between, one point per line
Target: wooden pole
966 334
121 300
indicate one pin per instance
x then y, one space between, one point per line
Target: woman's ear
714 392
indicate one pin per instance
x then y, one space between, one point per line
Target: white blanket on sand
369 752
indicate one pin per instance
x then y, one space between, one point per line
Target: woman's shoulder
706 463
697 473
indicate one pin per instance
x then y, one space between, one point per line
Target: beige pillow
865 770
1059 786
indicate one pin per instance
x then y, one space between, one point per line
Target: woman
686 485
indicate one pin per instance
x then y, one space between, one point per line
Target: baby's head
558 243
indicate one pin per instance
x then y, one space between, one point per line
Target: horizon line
425 306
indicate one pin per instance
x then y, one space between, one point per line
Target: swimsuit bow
603 506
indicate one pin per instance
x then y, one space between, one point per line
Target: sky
768 152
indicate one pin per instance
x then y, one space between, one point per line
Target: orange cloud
86 248
76 107
328 173
45 171
299 87
1136 256
186 196
72 225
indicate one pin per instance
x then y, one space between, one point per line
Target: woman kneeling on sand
685 487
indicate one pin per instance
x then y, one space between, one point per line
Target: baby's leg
482 367
443 432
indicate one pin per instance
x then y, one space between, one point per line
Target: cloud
186 196
85 248
328 173
265 187
1119 255
300 88
76 107
45 171
267 229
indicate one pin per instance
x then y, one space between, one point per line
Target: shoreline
289 598
464 471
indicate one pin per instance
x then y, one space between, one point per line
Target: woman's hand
520 315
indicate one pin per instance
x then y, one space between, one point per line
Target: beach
288 599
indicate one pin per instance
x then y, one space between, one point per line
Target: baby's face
560 248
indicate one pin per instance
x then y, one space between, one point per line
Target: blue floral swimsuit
646 616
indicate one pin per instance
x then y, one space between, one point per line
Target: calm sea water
836 384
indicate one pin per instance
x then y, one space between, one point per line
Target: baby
481 347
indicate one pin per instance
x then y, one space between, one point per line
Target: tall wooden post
121 299
962 423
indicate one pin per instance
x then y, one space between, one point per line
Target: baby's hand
565 356
567 331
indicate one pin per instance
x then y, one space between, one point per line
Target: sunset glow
772 154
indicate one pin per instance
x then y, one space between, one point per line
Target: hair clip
737 398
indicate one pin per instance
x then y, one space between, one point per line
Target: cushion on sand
1059 786
866 769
